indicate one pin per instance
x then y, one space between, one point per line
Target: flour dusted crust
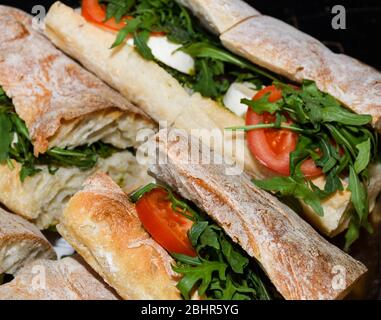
220 15
285 50
103 226
142 82
20 243
66 279
298 261
41 198
47 88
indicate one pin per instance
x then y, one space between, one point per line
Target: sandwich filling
314 146
16 145
206 258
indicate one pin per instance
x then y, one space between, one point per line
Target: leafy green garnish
215 67
340 142
221 269
15 145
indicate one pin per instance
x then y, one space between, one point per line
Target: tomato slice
94 12
272 147
167 227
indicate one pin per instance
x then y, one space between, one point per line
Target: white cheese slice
167 52
234 95
336 217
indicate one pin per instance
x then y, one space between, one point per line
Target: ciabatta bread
299 262
220 15
66 279
61 103
20 243
103 226
42 197
281 48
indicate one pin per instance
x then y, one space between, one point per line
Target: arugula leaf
6 137
140 41
201 275
207 50
352 234
196 231
236 260
130 28
288 186
363 157
205 83
15 145
262 105
117 8
358 195
136 195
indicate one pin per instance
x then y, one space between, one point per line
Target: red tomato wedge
167 227
96 13
272 147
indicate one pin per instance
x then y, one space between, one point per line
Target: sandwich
201 233
58 125
302 120
66 279
20 243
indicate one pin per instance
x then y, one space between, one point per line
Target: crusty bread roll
66 279
299 262
279 47
103 226
220 15
42 197
61 103
20 243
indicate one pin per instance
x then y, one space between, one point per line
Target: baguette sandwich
20 243
67 279
58 125
302 120
201 233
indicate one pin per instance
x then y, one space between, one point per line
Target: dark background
360 39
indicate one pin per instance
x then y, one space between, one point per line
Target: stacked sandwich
301 120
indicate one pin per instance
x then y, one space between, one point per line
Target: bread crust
20 243
299 262
66 279
142 82
103 226
220 15
281 48
48 88
41 197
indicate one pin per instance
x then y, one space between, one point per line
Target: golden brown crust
47 87
220 15
142 82
299 262
20 243
102 225
285 50
66 279
41 197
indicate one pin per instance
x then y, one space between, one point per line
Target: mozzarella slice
167 52
236 92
